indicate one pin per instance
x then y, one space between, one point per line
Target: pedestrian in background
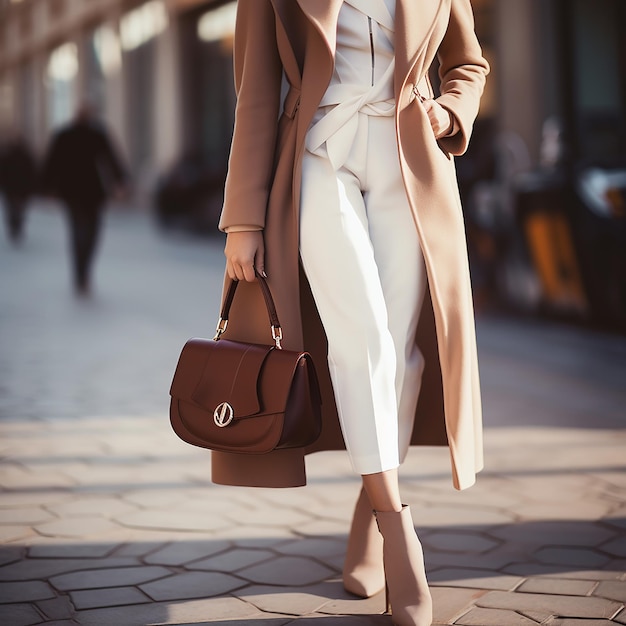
83 169
344 193
17 182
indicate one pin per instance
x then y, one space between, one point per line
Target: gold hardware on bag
223 414
277 335
221 327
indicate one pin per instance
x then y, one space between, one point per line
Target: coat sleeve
258 73
462 70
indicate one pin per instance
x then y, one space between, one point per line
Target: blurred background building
543 183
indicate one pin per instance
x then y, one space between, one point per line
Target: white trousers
361 254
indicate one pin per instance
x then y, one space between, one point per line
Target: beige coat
290 43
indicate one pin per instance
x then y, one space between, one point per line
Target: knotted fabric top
362 81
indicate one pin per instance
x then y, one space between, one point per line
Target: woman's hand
440 118
245 251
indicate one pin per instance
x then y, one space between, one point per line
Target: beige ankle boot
408 595
363 572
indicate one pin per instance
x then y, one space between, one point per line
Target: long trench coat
284 59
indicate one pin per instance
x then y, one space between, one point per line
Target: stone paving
107 519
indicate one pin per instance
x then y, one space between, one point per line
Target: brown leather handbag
242 397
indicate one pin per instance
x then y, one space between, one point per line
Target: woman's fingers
440 119
243 250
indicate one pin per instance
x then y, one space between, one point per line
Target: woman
341 189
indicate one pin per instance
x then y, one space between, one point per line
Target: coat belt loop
292 102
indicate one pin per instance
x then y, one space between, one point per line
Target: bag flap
211 372
254 379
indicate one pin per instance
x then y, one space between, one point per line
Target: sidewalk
107 519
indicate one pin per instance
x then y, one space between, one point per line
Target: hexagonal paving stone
449 516
37 569
531 569
19 615
173 613
24 516
30 591
584 511
487 491
611 589
13 533
493 617
557 586
316 547
11 499
320 528
232 560
562 490
182 552
616 547
449 602
56 608
617 518
18 478
473 578
49 548
539 616
459 542
75 527
565 606
355 606
117 596
286 570
572 556
550 533
137 544
301 602
257 536
10 554
192 585
151 499
173 520
271 516
116 577
98 507
290 498
495 560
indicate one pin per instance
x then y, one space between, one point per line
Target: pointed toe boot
363 572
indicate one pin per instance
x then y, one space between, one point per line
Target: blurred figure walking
17 182
83 169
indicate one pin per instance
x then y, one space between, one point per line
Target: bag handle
222 323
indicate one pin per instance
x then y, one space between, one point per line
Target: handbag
245 398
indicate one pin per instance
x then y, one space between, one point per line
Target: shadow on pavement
173 580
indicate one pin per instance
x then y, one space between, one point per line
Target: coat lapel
415 22
323 14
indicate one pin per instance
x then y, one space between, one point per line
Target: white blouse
362 81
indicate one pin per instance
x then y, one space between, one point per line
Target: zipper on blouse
369 22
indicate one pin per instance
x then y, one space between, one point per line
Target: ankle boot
408 595
363 573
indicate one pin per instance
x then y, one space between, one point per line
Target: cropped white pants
361 254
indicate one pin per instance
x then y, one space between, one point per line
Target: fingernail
263 274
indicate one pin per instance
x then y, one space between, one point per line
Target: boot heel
363 573
407 587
